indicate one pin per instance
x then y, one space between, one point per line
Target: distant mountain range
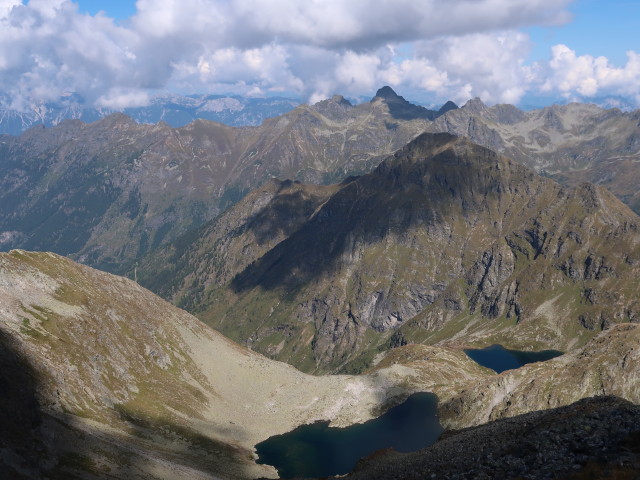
175 110
108 191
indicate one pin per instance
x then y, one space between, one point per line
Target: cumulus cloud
454 49
569 73
490 66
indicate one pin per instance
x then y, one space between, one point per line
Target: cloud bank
314 48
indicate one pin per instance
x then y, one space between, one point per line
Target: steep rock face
102 378
109 191
445 241
573 143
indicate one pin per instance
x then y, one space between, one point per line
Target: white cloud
357 24
586 75
119 98
6 6
454 49
488 65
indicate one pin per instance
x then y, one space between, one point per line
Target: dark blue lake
499 359
318 450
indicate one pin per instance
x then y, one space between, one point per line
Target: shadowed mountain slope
444 242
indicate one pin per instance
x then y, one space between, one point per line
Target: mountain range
175 110
572 143
141 186
377 241
109 191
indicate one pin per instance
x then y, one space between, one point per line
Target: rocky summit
445 243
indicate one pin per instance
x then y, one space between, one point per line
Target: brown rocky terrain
102 379
109 191
446 242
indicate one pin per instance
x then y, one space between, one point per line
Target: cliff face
445 242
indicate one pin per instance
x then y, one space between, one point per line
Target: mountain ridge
445 235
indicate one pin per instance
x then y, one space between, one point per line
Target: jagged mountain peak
430 149
447 107
117 119
386 92
475 105
340 100
400 108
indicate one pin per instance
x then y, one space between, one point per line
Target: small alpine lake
318 450
499 359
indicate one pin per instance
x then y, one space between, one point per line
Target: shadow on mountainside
20 415
39 444
426 185
286 212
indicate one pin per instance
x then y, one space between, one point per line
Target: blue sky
117 9
504 51
598 27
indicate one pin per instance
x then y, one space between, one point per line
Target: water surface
499 359
318 450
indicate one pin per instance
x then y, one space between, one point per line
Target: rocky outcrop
573 143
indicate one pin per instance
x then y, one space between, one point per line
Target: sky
119 53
